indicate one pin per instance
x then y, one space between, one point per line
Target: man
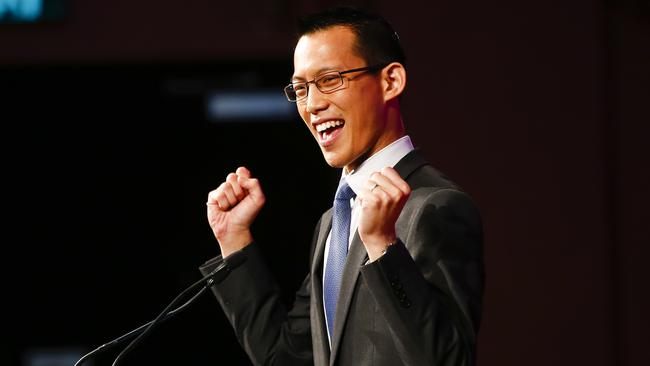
396 266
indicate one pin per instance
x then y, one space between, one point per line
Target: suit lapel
318 328
357 256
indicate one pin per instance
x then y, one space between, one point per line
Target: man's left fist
382 200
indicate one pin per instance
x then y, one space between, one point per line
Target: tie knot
344 192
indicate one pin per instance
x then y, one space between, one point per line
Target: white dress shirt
388 156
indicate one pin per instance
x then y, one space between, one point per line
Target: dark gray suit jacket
419 304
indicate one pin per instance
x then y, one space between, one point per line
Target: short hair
377 42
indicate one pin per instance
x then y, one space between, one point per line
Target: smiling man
396 272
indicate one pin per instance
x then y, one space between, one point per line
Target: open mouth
327 131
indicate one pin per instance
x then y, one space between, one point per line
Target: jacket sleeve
429 285
250 299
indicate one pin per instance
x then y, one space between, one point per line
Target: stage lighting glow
21 10
31 11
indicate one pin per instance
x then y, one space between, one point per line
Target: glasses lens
329 82
296 91
290 93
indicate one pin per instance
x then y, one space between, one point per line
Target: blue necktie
338 251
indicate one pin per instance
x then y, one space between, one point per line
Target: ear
393 79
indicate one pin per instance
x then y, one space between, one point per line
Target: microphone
221 271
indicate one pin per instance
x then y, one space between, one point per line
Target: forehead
324 50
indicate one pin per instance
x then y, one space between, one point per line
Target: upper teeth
329 124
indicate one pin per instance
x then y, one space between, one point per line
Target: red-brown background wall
539 109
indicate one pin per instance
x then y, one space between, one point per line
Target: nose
316 100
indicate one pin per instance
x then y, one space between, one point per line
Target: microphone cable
145 329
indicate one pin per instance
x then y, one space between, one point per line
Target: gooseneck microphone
145 329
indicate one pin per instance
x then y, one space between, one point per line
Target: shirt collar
388 156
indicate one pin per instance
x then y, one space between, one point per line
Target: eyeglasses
326 83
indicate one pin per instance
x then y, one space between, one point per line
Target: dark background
539 109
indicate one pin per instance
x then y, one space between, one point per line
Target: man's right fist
232 208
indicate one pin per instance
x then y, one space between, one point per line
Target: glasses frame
320 77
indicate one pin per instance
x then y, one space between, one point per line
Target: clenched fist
232 208
382 200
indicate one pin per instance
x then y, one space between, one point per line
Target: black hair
377 42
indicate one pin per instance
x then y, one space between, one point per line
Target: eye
300 89
329 81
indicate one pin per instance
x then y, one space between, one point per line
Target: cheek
367 128
304 116
367 102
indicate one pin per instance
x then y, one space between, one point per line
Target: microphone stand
164 315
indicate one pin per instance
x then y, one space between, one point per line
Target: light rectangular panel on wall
249 106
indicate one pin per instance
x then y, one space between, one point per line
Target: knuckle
373 200
396 195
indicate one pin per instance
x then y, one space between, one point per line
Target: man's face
349 123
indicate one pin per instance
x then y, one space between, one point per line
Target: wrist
377 247
234 242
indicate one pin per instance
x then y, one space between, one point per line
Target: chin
333 160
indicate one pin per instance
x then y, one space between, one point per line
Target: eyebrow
318 72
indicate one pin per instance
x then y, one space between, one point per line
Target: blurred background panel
119 117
